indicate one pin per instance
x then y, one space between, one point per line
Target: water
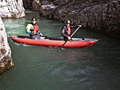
47 68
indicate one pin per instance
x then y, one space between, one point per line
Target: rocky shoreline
100 16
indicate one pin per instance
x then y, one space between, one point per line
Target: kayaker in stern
66 30
33 30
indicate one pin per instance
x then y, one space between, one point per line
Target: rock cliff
8 9
5 51
11 9
102 16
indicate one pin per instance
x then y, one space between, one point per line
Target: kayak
55 41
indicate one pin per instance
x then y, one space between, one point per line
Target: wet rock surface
8 9
5 51
102 16
11 9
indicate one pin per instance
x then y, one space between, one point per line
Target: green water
47 68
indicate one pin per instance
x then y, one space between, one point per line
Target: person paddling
33 29
66 30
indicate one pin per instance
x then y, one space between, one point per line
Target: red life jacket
35 28
68 30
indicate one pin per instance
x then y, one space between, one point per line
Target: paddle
71 36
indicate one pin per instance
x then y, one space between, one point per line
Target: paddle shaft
75 31
71 36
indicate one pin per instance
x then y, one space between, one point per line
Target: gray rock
11 9
5 51
102 16
8 9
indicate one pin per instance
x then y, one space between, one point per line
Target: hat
33 19
68 22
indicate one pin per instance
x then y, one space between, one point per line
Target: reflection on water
48 68
71 56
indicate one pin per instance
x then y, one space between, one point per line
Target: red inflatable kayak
53 41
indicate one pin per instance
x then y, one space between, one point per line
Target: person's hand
79 25
41 34
69 38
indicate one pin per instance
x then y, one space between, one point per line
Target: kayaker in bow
66 30
33 30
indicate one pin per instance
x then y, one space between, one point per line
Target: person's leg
31 36
65 39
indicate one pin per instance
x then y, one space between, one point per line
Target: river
46 68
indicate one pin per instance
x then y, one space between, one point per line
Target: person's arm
76 26
29 28
73 26
38 31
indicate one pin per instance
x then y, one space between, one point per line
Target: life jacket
68 30
35 28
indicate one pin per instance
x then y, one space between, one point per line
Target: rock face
11 9
102 16
8 9
27 4
5 51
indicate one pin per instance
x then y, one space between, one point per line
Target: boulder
11 9
5 51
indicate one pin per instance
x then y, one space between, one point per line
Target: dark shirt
64 30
